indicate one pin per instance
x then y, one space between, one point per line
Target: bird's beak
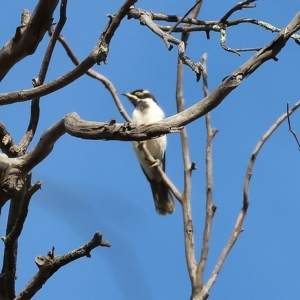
131 97
128 95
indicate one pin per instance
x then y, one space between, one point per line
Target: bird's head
139 95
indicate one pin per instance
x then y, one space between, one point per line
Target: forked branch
51 263
241 217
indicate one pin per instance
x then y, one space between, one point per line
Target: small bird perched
147 111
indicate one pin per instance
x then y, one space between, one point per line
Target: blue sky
93 186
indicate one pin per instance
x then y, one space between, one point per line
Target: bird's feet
155 164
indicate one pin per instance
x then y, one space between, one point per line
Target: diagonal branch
290 126
28 35
35 103
191 9
104 80
98 54
50 264
161 173
238 6
238 227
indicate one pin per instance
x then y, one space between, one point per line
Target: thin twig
104 80
180 20
238 6
290 127
145 18
210 208
35 104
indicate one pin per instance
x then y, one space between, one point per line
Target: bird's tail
164 202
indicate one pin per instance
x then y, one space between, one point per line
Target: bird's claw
155 164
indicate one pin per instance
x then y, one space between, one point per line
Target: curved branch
98 55
108 84
239 6
27 36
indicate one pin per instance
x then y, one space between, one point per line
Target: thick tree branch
9 267
27 36
50 264
6 140
99 54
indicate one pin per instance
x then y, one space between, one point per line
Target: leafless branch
290 126
6 140
238 6
185 15
35 103
50 264
238 227
104 80
210 207
28 35
145 19
162 174
188 168
98 54
9 268
19 222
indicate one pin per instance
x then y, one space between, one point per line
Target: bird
146 111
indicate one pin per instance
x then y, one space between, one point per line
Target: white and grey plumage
147 111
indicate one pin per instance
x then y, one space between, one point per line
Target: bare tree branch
238 6
9 268
28 35
188 167
6 140
210 207
50 264
180 20
161 173
98 54
35 103
238 227
104 80
290 126
145 19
